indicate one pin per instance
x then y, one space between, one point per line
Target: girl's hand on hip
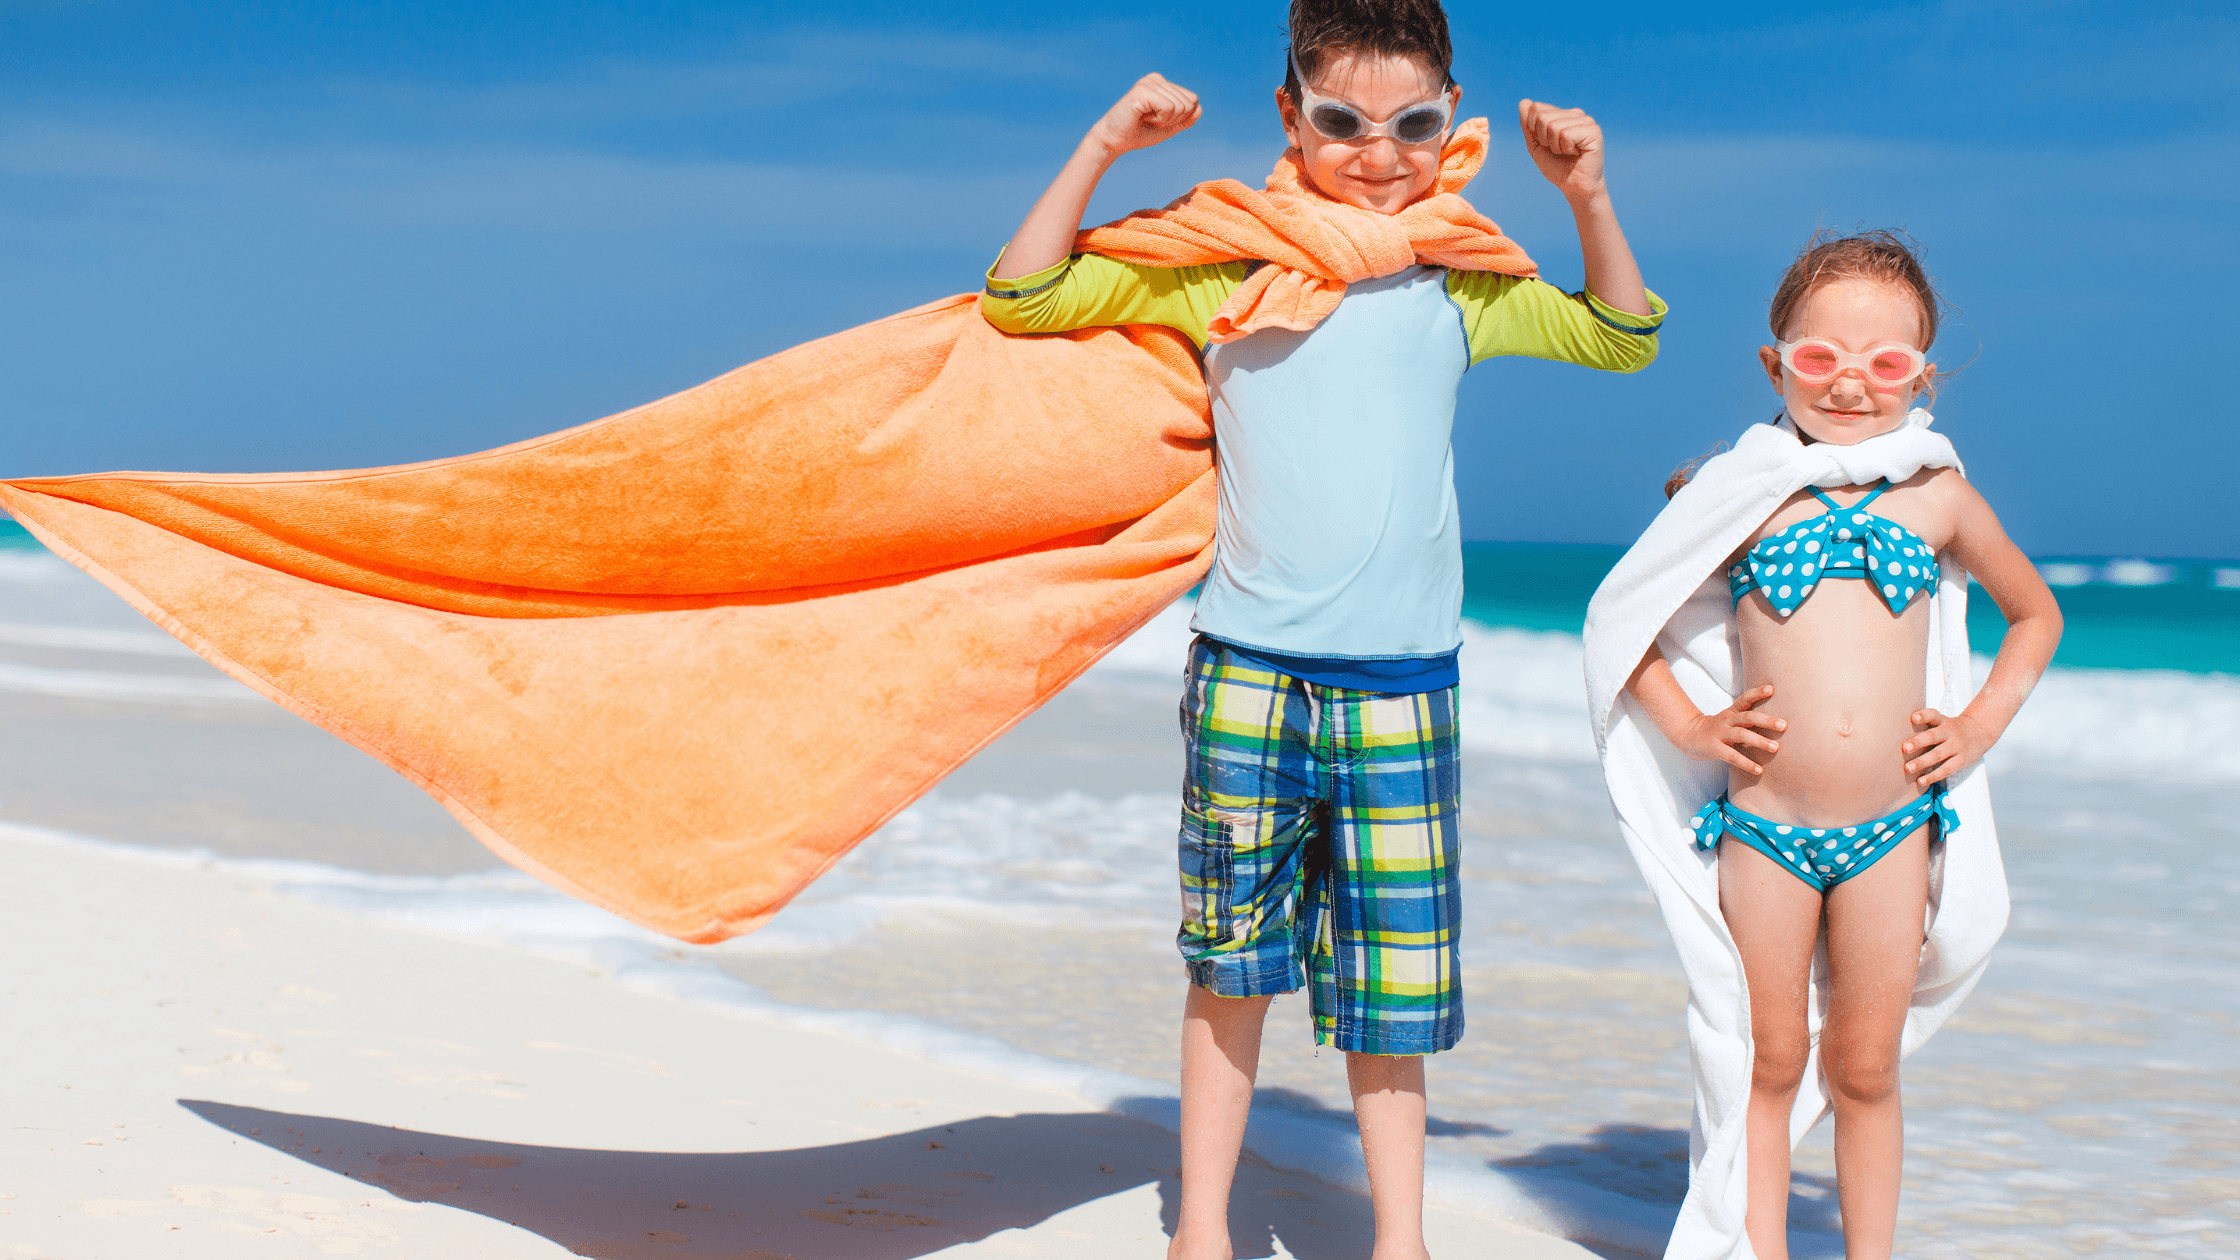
1152 111
1723 735
1566 145
1950 745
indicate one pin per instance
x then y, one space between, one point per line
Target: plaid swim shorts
1320 848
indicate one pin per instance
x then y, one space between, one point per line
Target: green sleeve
1092 291
1507 315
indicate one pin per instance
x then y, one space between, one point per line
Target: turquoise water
2121 613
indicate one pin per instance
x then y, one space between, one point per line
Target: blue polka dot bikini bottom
1824 856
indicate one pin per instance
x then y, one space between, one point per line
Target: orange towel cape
680 660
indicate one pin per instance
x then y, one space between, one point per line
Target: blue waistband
1402 676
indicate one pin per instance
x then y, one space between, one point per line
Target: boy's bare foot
1182 1249
1187 1247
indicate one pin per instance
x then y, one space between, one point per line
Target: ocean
2085 1102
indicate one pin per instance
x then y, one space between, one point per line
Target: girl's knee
1862 1079
1777 1064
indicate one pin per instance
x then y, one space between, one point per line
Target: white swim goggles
1424 122
1817 360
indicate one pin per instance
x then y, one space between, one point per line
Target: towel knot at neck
1315 245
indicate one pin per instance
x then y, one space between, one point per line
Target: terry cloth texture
1670 589
1314 247
1825 856
885 547
1321 847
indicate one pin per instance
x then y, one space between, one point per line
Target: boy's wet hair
1882 257
1393 28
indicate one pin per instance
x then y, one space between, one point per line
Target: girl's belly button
1843 727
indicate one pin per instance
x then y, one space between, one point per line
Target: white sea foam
1523 695
1523 692
102 684
1070 859
33 567
2138 573
2156 725
94 639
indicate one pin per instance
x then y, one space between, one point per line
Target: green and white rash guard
1338 546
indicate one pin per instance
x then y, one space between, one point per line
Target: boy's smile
1378 174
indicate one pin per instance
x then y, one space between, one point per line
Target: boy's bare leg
1874 952
1220 1060
1388 1104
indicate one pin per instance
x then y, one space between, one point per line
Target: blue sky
252 237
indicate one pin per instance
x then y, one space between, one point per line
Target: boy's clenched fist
1566 144
1152 111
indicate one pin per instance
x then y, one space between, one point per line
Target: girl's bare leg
1220 1060
1874 951
1775 920
1388 1104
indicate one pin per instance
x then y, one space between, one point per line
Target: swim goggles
1421 123
1816 361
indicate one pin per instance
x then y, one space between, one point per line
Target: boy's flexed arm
1152 111
1566 145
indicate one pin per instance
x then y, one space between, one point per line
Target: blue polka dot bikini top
1848 542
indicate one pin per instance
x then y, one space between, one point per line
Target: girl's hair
1393 28
1686 473
1878 256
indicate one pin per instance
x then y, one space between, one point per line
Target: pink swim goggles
1424 122
1817 360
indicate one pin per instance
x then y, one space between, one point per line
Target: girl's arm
1152 111
1952 744
1704 736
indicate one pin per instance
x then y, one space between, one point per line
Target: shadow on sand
1651 1164
885 1198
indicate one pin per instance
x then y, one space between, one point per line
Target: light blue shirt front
1338 534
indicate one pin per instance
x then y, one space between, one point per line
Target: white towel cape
1671 589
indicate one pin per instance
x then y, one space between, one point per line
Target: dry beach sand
198 1068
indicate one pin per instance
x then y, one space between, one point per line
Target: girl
1821 667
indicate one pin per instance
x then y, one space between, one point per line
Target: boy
1319 820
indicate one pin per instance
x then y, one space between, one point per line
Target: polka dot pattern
1842 542
1823 856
